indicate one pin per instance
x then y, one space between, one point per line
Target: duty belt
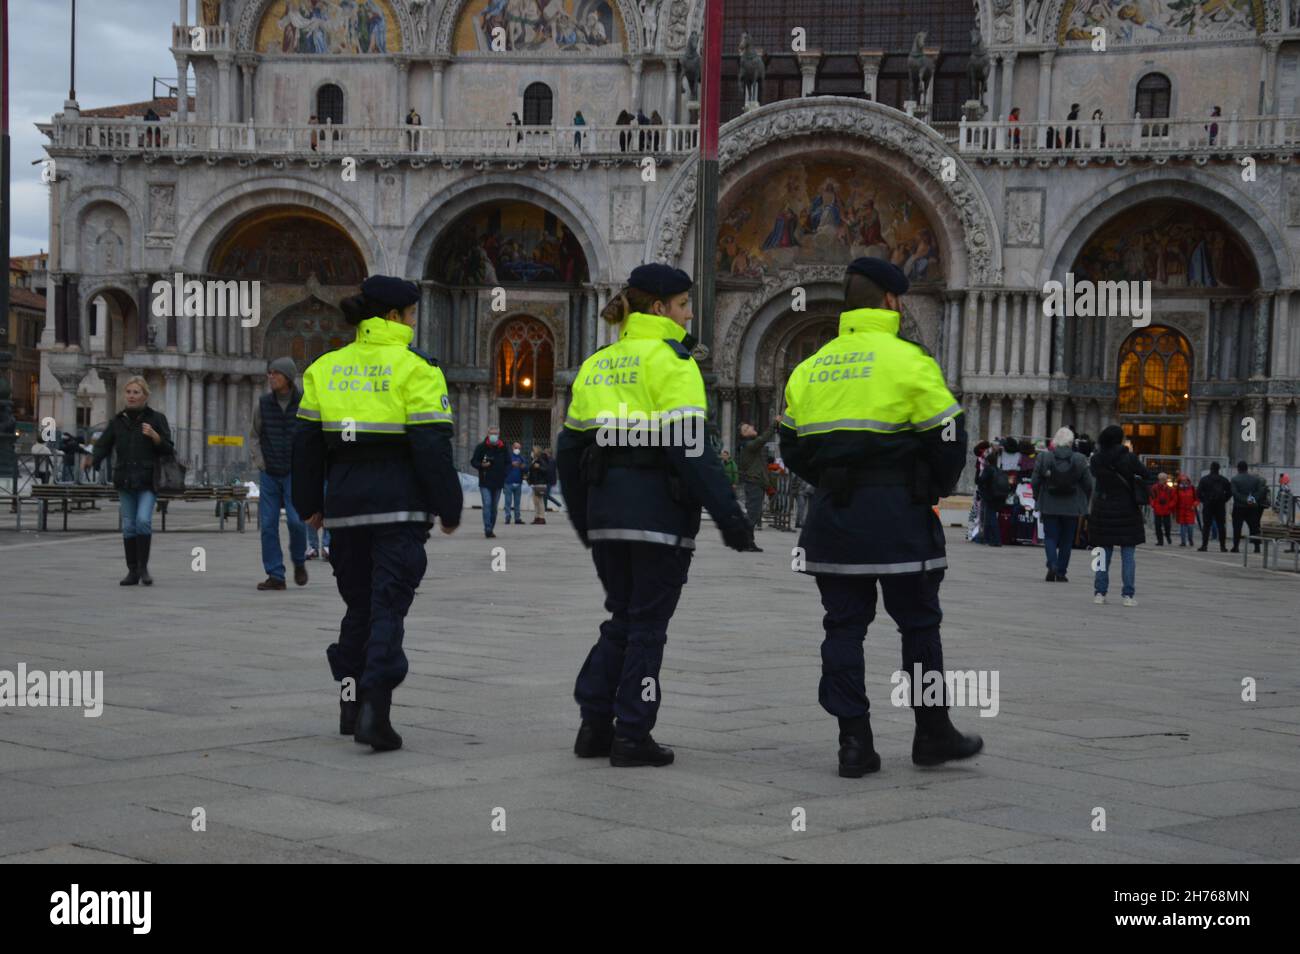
841 481
646 458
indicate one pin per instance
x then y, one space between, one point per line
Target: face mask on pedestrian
492 436
516 448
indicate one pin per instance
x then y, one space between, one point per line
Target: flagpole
706 185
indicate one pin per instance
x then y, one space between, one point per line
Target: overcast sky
121 46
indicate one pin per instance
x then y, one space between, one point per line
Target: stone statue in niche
162 208
108 250
650 21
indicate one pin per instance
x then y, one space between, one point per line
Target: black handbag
168 475
1138 489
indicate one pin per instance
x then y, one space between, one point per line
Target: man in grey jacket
1249 496
1062 486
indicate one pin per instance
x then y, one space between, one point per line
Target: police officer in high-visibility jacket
636 465
871 424
375 424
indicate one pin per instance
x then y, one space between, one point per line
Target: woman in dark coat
138 436
1115 519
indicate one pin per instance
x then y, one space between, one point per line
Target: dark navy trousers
850 602
377 570
620 679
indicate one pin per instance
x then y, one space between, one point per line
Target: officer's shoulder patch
678 348
427 357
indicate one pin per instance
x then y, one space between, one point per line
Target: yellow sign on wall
225 440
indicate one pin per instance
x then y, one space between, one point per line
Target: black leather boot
629 753
373 726
348 716
857 750
142 558
132 577
594 740
938 741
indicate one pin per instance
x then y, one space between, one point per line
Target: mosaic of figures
508 242
289 246
823 212
1145 21
329 26
1170 244
539 25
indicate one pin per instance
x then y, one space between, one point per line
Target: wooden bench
76 496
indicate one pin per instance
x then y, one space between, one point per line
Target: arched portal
1154 389
508 242
304 331
112 313
523 375
288 244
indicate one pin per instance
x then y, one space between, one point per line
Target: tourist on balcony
642 120
578 121
1101 130
1069 130
624 119
1213 127
656 120
151 137
313 122
1014 119
517 123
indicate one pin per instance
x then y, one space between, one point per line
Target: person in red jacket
1185 511
1162 505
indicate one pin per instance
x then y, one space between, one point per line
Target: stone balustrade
1062 137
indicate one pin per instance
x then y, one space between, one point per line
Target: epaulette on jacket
427 357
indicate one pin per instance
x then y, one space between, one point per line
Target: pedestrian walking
1214 491
516 468
1163 501
1185 511
1062 486
1115 519
375 422
1249 498
138 437
270 442
492 461
994 486
751 465
636 505
882 440
538 473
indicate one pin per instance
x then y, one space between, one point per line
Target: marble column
224 62
1017 321
232 424
995 416
484 413
1276 451
672 92
952 335
974 425
1214 307
181 422
1044 90
808 71
870 60
1255 449
1000 341
435 110
171 378
464 444
213 422
403 67
1057 414
1229 332
1018 416
727 418
1044 335
1039 425
634 93
1008 84
970 339
1263 319
986 335
110 393
247 69
196 421
1031 335
182 100
1281 346
1058 346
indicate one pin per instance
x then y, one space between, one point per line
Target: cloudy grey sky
121 46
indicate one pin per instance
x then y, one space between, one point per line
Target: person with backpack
1115 517
1162 506
994 485
1185 511
1249 498
1213 491
1062 485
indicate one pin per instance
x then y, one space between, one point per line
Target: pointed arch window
525 361
1154 373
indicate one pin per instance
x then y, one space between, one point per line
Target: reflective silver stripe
364 426
647 536
368 519
852 423
580 425
876 569
428 416
308 415
685 410
787 420
929 422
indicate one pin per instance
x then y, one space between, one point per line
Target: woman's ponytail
628 300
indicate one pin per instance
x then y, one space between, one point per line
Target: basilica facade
482 148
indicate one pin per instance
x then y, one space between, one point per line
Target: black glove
739 537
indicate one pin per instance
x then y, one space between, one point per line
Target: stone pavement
218 697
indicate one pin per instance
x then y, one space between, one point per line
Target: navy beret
659 279
885 274
390 292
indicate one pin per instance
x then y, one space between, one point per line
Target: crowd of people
1097 496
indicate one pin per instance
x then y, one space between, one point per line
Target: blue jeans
514 492
314 539
1187 534
136 507
276 493
490 495
1058 541
1128 556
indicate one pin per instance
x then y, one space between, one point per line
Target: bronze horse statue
691 66
751 72
920 70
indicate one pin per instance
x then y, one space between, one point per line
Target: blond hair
136 379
